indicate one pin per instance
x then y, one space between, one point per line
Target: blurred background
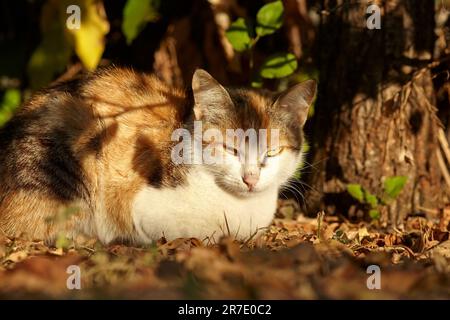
378 131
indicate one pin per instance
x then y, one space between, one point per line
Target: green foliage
341 236
89 41
10 101
365 197
239 35
59 42
392 188
374 214
62 241
49 59
356 191
62 217
53 53
394 185
298 172
305 146
136 14
257 82
371 199
269 18
278 66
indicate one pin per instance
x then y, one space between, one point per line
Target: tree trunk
375 116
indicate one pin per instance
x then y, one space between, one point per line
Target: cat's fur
102 144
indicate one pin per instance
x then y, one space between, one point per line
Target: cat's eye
274 152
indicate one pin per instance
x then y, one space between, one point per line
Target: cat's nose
250 180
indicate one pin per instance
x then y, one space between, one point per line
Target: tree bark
375 115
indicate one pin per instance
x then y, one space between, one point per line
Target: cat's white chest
200 209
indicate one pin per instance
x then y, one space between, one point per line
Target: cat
93 156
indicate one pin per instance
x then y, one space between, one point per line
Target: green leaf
62 242
374 214
394 185
53 53
136 14
269 18
305 146
356 191
257 81
11 99
10 102
278 66
298 173
239 35
340 236
89 38
371 199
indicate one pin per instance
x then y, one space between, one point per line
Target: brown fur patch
98 138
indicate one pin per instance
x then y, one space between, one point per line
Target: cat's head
247 168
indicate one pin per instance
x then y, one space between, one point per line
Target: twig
444 144
226 224
87 248
403 247
416 75
252 236
443 167
209 239
320 216
428 210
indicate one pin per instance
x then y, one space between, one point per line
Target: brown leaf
17 256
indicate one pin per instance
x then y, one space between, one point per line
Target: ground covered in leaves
297 258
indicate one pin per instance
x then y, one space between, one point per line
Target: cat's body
102 144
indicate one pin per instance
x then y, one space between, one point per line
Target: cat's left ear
298 99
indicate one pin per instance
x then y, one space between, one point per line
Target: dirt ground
298 258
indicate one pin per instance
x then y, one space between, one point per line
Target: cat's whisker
313 165
310 187
295 187
295 192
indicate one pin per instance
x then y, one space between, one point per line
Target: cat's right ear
298 99
209 96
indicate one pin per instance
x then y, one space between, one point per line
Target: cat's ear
298 99
209 96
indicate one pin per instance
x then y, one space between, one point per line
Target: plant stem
252 45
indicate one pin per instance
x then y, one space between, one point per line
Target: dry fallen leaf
17 256
442 249
287 262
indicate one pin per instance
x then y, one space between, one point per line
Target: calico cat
102 144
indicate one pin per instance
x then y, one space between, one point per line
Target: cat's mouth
249 191
238 188
241 191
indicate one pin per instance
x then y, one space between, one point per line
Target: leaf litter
297 258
